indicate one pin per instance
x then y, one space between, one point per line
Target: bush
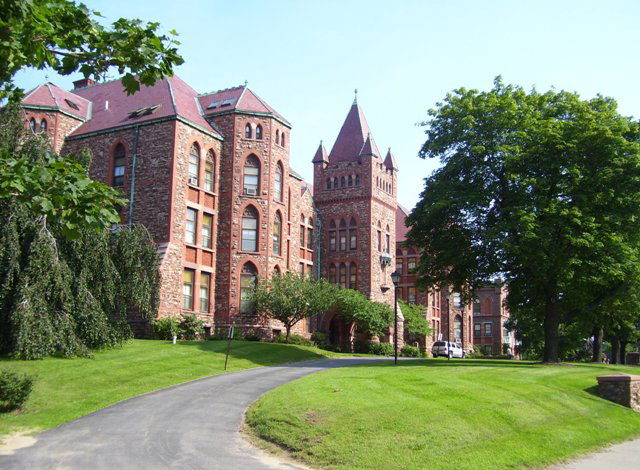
293 339
166 328
191 327
381 349
409 351
251 335
14 389
361 346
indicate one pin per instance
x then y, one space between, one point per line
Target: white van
447 349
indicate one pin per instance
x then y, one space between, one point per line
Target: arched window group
251 176
248 283
248 131
346 181
119 160
33 125
249 238
280 137
277 185
385 185
277 234
345 275
341 237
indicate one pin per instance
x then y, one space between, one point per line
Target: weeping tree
67 283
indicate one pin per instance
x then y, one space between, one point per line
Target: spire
355 98
321 155
369 147
351 137
390 162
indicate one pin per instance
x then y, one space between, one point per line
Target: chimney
83 83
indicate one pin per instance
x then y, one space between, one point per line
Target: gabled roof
112 107
401 229
352 136
390 162
369 147
240 99
52 97
321 155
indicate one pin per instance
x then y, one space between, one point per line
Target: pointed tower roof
321 155
352 136
369 147
390 162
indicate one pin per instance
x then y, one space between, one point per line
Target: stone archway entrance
339 332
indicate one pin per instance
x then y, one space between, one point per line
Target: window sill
242 252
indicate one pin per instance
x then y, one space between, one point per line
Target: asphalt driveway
189 426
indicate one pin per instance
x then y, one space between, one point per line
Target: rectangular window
250 182
433 330
332 241
400 265
249 234
208 176
411 265
207 225
310 238
205 282
411 295
476 329
193 169
343 240
487 329
457 302
190 227
353 239
187 289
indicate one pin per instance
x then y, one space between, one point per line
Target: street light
395 278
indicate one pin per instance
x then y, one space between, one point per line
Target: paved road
189 426
624 456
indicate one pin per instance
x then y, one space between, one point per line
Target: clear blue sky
305 59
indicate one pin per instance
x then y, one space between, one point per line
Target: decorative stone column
623 389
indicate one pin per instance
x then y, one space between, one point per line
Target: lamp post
395 278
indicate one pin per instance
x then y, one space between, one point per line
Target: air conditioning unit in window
193 181
250 191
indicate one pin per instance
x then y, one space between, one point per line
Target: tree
291 298
372 317
415 323
66 37
540 188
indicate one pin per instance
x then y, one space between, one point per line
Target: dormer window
144 111
214 104
227 102
72 105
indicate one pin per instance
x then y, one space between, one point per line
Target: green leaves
61 35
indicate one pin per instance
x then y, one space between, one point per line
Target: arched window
332 236
411 251
343 275
387 241
357 180
250 229
310 234
343 182
278 136
332 274
277 234
353 234
210 172
119 157
328 183
335 183
194 164
399 252
251 177
43 125
32 125
476 306
282 139
353 276
247 131
259 132
248 282
277 186
457 328
343 235
276 270
350 181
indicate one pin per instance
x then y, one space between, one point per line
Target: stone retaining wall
620 388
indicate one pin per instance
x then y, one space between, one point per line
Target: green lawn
462 414
68 388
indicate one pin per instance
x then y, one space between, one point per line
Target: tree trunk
551 326
597 344
288 327
615 349
623 351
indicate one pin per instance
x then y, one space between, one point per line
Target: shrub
381 349
361 346
14 389
293 339
251 335
409 351
166 328
191 327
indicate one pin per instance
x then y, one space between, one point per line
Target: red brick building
210 177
